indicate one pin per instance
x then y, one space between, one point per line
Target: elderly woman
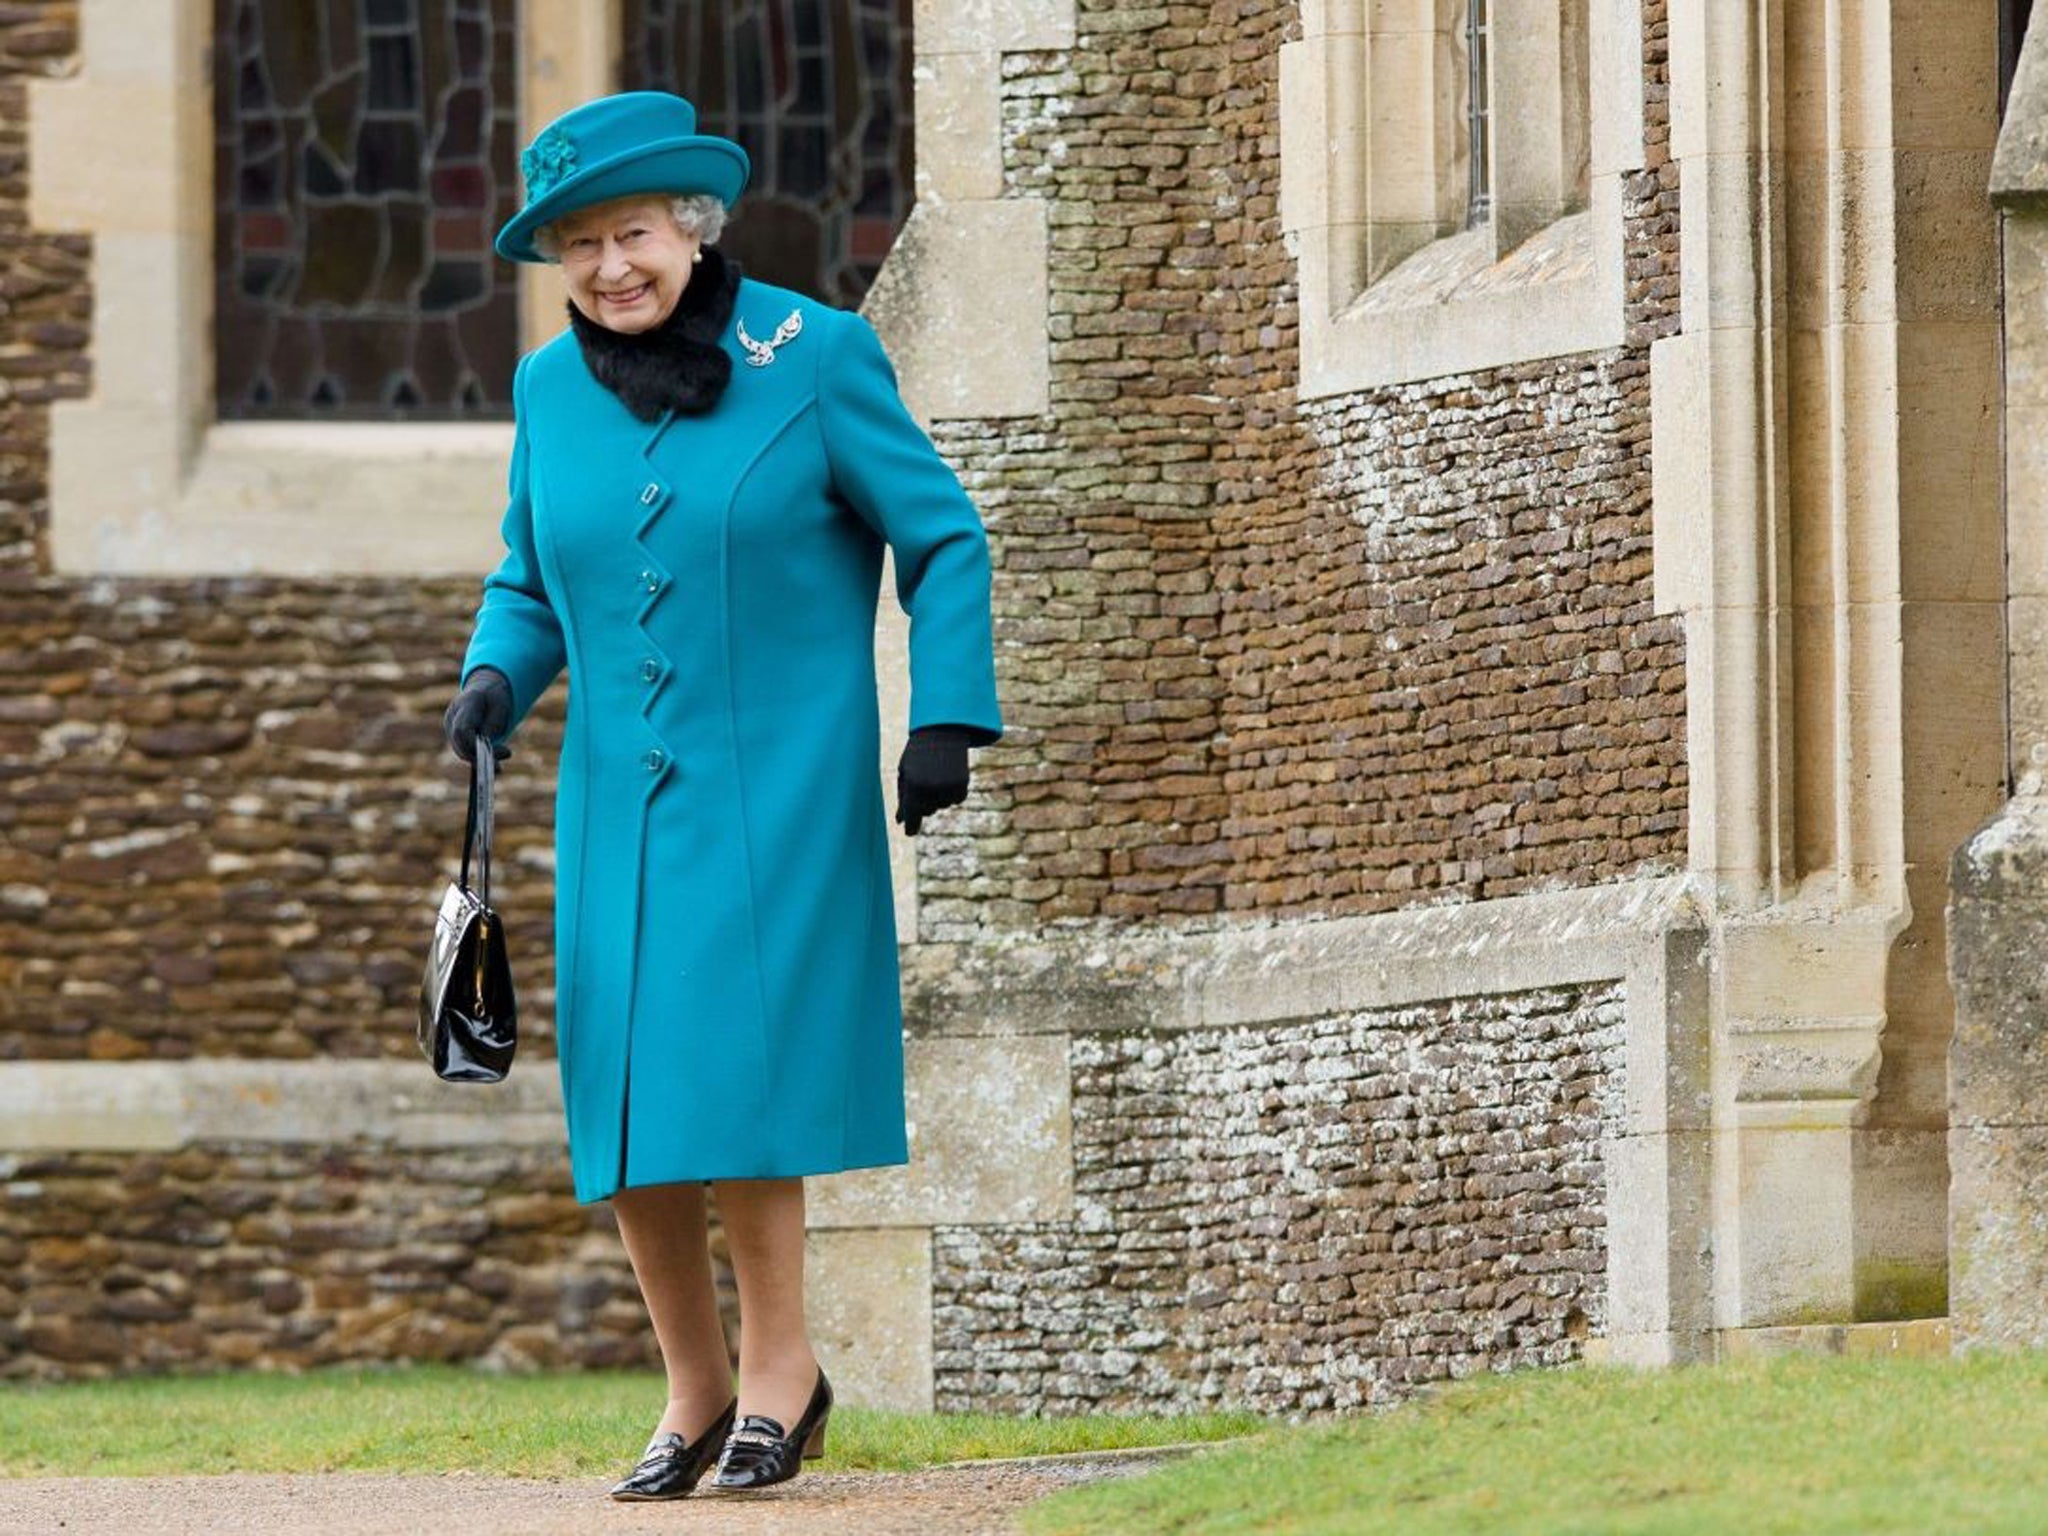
705 470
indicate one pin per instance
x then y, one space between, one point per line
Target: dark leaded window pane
818 94
365 152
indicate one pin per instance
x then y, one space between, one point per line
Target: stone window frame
1372 173
144 479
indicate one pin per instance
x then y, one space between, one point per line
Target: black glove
483 708
932 773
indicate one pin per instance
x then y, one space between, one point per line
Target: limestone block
1323 134
152 283
1841 230
1698 382
128 186
130 1105
1919 1337
990 1140
1947 52
1952 740
968 26
2026 294
1947 236
1719 208
959 125
1998 1235
271 497
1902 1186
868 1306
1540 155
1648 1351
1771 965
955 353
1791 1219
1804 1072
1682 506
1997 938
1477 330
1846 451
1728 830
1615 60
1998 1079
1666 1063
1382 15
2027 615
1858 648
1951 518
1715 89
1659 1225
89 167
2026 471
1920 1011
1399 84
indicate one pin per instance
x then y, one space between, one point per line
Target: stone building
1501 608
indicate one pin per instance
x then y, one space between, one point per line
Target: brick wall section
294 1256
1263 659
1322 1215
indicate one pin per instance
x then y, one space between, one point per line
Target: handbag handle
483 774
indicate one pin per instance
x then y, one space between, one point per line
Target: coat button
653 490
654 759
650 669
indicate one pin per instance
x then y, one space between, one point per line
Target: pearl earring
698 257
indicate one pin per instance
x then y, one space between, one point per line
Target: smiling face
626 261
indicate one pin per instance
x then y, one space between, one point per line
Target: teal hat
616 146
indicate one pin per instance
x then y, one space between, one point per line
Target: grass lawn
1809 1445
435 1418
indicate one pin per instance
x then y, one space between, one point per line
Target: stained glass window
818 93
365 152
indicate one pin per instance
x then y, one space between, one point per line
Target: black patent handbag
469 1018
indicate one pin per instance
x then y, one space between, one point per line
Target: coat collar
760 325
682 365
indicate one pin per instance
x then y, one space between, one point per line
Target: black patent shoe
757 1452
672 1465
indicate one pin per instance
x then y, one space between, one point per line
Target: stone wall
227 806
1260 659
1314 1215
286 1256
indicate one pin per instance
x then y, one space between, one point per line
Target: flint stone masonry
1320 1215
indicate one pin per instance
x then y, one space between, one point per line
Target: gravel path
965 1499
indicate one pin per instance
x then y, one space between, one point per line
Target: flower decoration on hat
546 161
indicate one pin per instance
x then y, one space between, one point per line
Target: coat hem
807 1170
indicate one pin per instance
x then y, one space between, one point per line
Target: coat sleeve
889 472
517 630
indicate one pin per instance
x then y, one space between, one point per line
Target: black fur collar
679 363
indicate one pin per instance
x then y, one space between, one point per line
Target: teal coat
727 998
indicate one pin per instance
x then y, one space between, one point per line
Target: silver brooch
762 353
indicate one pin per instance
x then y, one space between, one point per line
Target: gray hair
701 214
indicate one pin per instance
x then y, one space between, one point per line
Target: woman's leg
665 1236
764 1226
